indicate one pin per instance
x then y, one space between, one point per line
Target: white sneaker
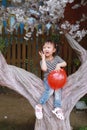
38 112
58 112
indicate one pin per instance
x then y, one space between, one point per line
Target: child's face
48 49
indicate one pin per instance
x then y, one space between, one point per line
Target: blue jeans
48 92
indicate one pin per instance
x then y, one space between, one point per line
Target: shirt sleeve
59 59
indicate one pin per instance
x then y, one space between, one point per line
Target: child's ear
54 49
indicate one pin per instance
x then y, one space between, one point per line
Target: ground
17 114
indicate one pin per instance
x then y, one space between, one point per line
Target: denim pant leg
57 98
47 93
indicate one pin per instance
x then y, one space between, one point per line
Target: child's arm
59 65
43 63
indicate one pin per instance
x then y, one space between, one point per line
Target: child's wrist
44 59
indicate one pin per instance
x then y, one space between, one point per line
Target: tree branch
81 52
21 81
75 88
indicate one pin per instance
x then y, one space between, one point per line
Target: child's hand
42 55
57 67
60 65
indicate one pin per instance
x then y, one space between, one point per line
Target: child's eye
43 47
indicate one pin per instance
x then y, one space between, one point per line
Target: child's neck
50 58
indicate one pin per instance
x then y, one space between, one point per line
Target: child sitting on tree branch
50 62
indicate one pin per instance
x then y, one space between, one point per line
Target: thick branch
81 52
23 82
75 88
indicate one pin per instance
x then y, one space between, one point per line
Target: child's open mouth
47 53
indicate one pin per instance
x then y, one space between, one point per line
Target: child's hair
55 45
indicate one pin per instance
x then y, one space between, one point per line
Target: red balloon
57 78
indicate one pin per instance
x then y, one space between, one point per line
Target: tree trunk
31 87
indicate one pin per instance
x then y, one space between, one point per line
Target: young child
48 63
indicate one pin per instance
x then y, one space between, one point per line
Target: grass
83 128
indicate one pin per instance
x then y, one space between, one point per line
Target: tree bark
31 87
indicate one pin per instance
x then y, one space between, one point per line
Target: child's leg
57 98
57 104
47 93
44 98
